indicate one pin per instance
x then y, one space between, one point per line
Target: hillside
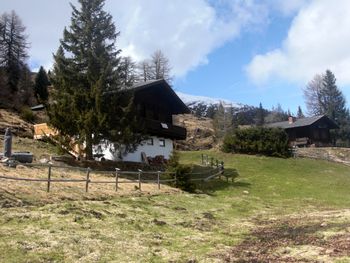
11 119
200 132
276 210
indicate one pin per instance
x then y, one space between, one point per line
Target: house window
150 141
161 142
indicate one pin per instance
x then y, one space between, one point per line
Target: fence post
87 179
207 160
217 163
116 178
158 179
140 171
211 161
49 178
202 159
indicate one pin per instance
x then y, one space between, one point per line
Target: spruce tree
333 104
87 98
260 116
40 86
300 113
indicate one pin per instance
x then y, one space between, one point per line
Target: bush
27 114
258 140
181 171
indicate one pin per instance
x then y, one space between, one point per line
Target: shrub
27 114
181 171
258 140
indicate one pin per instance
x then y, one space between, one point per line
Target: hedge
258 140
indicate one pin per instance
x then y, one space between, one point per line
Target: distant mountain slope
192 101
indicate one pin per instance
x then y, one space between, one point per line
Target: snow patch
192 100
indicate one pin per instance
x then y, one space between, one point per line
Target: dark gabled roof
179 106
303 122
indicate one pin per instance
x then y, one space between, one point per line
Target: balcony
166 130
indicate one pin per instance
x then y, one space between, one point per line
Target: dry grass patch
18 193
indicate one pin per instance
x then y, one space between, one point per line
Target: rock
44 161
246 192
324 224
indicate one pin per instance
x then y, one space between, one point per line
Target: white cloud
287 7
186 31
318 39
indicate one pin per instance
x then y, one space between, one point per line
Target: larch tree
128 71
223 120
160 66
157 67
88 103
312 96
13 48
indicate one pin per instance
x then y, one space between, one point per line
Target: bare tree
313 95
13 47
158 67
128 74
144 70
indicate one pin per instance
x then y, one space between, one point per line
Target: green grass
174 227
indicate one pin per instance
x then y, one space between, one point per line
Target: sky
246 51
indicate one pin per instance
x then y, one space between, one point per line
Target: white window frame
161 142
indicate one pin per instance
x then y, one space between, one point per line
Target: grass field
276 210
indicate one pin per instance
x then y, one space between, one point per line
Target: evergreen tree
88 104
260 116
300 113
41 84
333 104
277 114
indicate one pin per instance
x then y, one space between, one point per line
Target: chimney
291 119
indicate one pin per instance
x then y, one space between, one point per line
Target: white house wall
149 150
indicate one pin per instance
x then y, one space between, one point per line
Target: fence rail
139 176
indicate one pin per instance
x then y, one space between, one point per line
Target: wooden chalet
308 131
156 103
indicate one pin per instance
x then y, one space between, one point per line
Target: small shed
308 131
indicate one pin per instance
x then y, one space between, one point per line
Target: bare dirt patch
296 239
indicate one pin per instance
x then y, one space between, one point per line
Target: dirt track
317 237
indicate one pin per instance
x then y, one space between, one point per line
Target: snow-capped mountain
194 101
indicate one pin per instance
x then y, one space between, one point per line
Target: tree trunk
88 148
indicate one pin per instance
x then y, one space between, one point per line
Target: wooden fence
207 160
137 177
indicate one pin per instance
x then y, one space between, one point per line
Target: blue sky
225 77
247 51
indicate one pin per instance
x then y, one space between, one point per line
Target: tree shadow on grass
227 180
